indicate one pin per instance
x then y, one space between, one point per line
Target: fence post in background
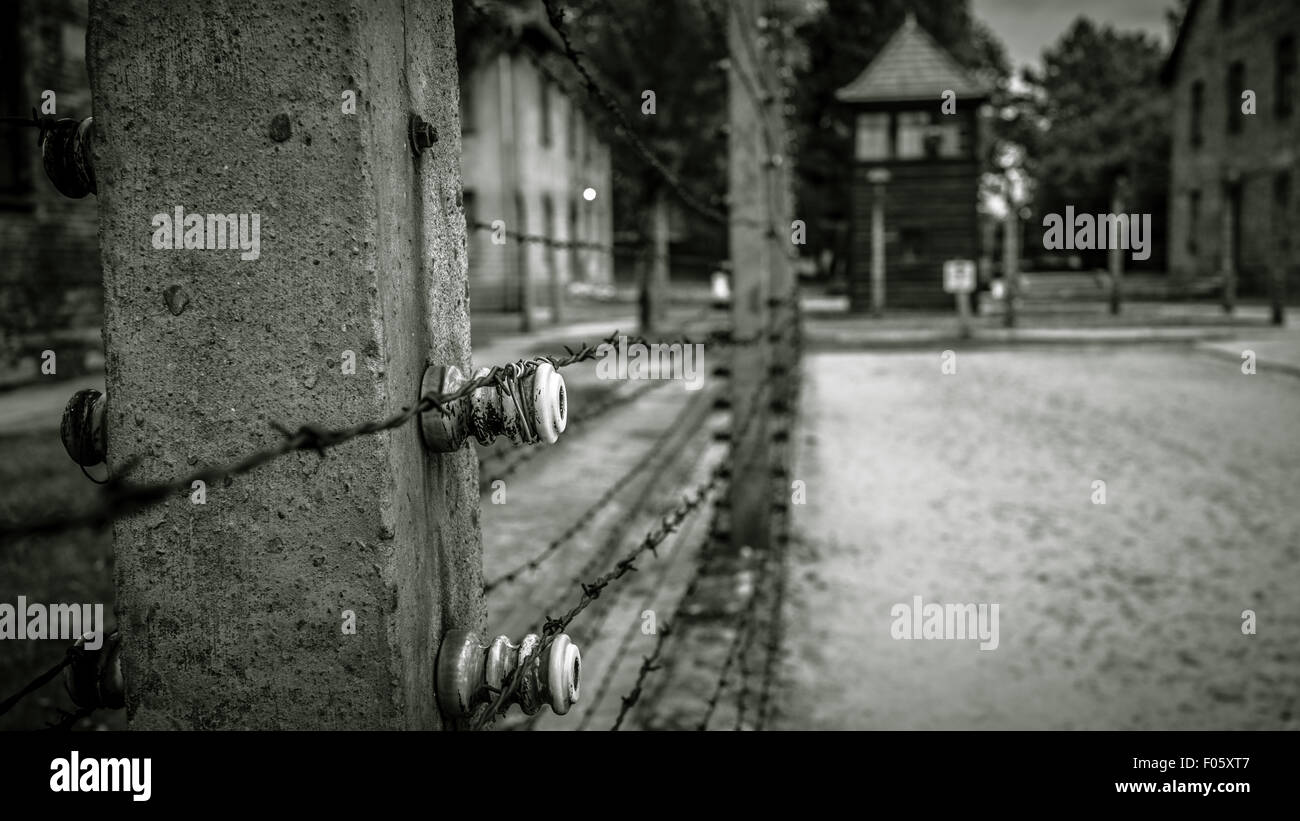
1279 252
1011 261
750 221
878 177
1228 242
523 266
555 280
654 280
311 592
1115 254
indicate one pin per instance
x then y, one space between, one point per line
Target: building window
544 113
1236 85
913 126
872 137
1198 109
1284 85
1227 11
1193 221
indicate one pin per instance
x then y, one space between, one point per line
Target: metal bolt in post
422 135
82 428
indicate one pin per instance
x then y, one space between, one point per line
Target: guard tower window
873 141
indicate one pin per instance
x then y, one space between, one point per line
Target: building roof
1170 68
911 66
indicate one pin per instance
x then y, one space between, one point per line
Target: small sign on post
959 279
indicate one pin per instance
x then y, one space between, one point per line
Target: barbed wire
636 251
541 239
554 627
628 134
632 631
742 692
69 719
742 629
124 498
607 404
488 473
74 653
650 663
622 129
618 530
648 458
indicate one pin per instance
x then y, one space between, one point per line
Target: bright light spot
589 194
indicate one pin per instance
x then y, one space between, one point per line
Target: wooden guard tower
919 163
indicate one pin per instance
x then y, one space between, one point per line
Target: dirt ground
977 487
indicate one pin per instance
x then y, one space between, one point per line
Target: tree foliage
1101 112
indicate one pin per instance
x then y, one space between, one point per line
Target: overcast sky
1026 27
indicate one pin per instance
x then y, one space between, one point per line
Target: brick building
50 293
1232 192
530 151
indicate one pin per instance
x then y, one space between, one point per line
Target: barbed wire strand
608 679
40 681
628 134
650 663
125 498
742 629
514 458
554 627
69 719
653 452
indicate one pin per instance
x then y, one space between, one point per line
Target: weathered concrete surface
231 611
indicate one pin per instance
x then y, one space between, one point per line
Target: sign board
959 276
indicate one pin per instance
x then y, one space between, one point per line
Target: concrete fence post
750 247
311 592
654 279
